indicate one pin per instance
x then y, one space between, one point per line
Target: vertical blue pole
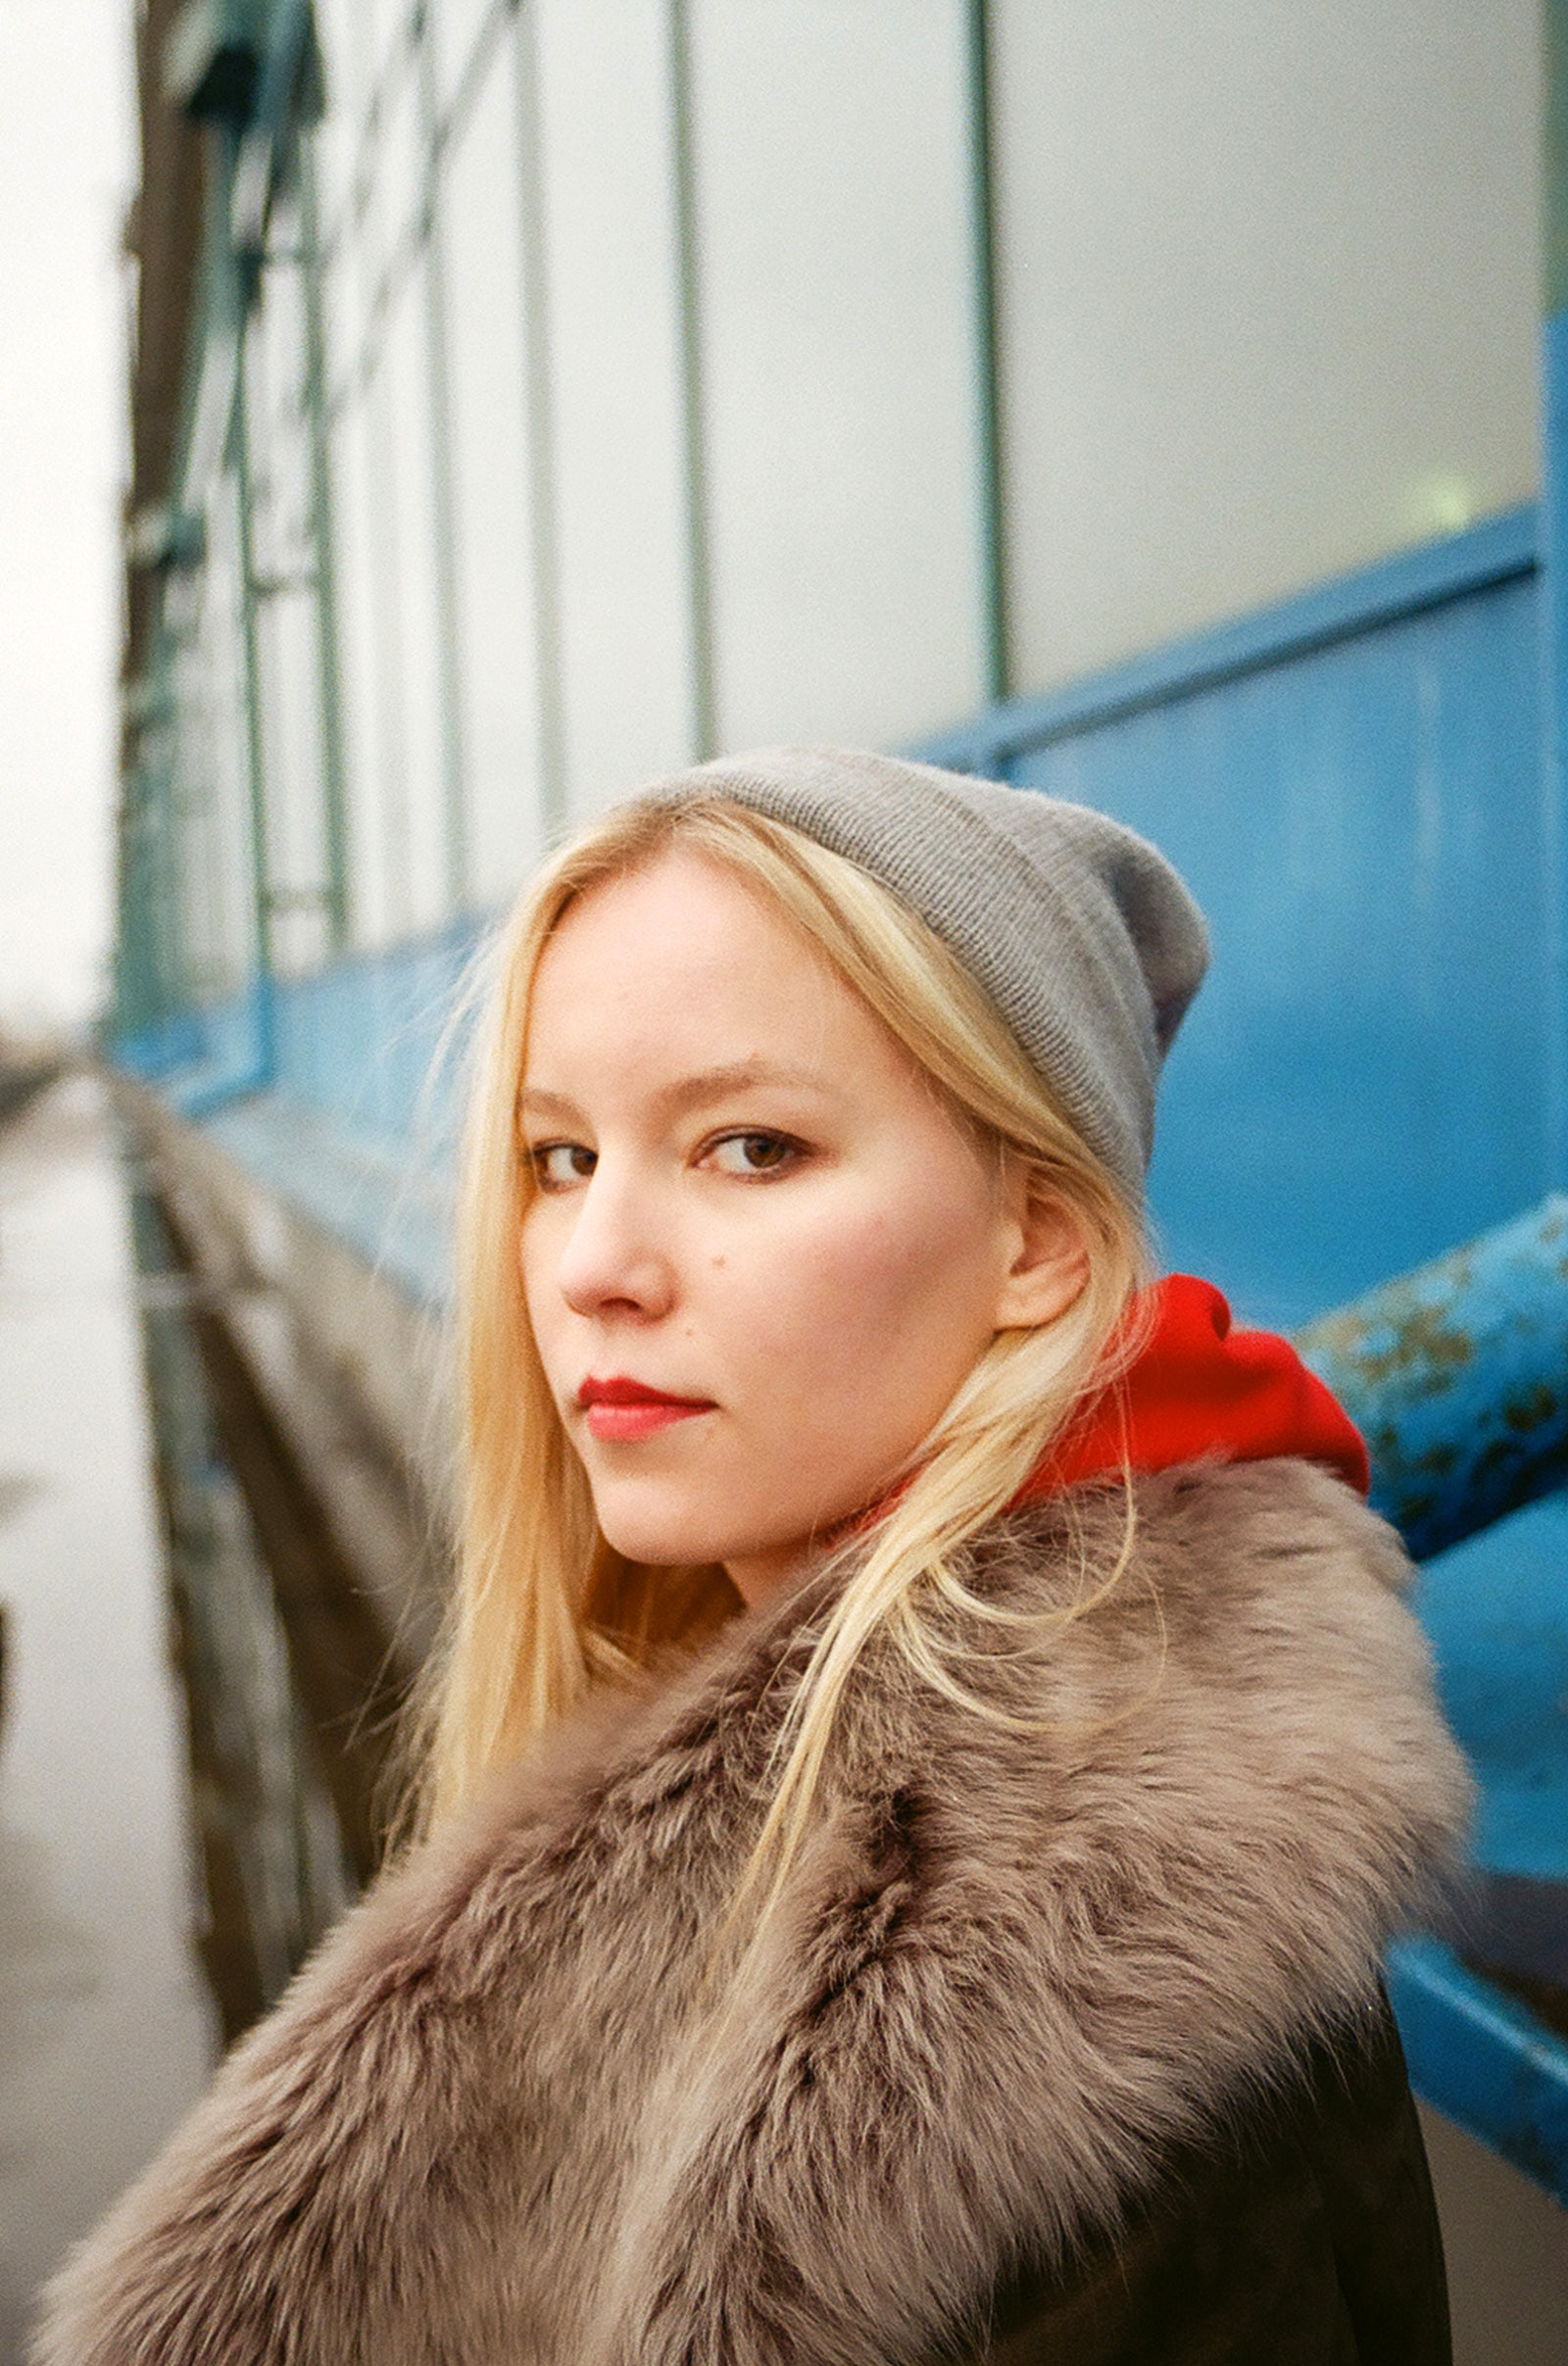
1554 553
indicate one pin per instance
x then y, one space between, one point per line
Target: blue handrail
1457 1375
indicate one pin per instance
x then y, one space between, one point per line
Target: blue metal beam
1457 1376
1554 536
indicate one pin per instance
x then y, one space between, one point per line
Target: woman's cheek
881 1275
818 1293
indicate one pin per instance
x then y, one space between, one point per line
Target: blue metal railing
1457 1375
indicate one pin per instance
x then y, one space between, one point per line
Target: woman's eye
557 1166
753 1153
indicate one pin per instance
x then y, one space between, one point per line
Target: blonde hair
544 1609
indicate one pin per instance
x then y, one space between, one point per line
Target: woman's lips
618 1409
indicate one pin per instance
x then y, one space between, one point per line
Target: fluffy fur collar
503 2116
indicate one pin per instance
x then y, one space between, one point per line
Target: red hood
1200 1388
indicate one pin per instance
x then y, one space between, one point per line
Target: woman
930 1747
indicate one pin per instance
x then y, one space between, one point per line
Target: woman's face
762 1250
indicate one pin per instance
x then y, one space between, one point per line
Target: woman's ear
1049 1267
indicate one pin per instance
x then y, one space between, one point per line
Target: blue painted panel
155 1052
387 1201
1367 1074
204 1055
358 1042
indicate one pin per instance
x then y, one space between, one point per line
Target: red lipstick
620 1409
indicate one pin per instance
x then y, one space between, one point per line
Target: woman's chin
673 1536
660 1535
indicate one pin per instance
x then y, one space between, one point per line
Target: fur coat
1037 1980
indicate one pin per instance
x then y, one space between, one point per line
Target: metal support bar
287 52
207 426
539 431
443 496
254 730
138 1000
1457 1376
989 477
165 839
693 390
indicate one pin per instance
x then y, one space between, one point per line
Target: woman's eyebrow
685 1093
533 1101
736 1077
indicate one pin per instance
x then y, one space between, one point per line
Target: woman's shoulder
1209 1532
1220 1678
1234 1595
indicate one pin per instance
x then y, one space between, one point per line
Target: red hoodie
1200 1388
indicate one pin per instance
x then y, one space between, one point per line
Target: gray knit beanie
1080 932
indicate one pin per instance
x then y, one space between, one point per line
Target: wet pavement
107 2029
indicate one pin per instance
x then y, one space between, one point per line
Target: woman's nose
612 1257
